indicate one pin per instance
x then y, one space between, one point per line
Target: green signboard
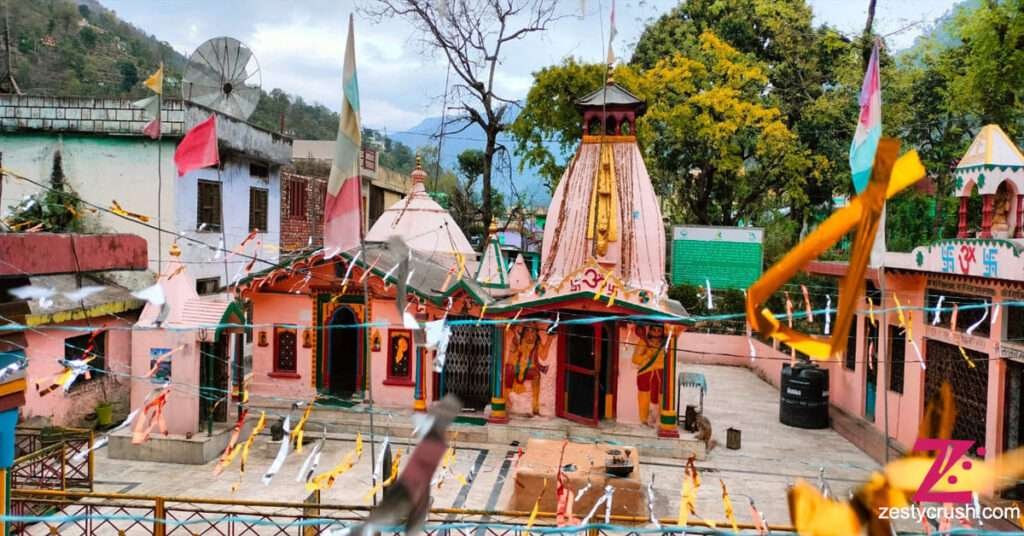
728 257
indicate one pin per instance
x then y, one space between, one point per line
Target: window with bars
1014 316
897 358
285 350
297 198
369 160
850 359
258 209
207 285
84 347
208 215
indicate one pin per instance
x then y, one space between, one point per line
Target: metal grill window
258 209
208 205
897 359
970 387
850 359
467 366
966 317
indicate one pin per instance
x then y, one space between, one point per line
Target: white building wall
100 169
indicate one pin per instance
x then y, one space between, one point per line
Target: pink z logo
948 454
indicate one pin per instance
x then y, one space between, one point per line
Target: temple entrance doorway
586 373
344 349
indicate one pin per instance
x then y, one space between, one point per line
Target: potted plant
104 409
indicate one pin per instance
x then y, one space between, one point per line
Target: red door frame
564 367
360 351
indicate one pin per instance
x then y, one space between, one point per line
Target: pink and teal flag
342 220
869 127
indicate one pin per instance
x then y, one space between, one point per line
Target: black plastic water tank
804 396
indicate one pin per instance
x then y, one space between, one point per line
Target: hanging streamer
536 506
299 430
908 329
954 317
605 499
758 520
312 461
395 462
976 325
326 480
246 446
73 368
553 327
650 503
378 472
348 271
727 507
153 413
995 318
688 493
753 351
938 311
582 492
711 304
282 453
116 209
230 451
509 325
807 304
871 311
105 438
966 358
828 314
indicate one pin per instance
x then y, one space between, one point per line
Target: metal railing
75 514
49 463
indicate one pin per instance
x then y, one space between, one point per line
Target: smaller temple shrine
995 167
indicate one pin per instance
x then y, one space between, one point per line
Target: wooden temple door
579 374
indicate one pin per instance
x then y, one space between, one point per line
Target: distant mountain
425 135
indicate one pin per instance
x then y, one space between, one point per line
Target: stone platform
199 449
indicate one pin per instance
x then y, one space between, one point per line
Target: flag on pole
155 82
869 126
341 210
611 36
151 105
198 149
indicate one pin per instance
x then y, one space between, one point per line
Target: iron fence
52 461
82 514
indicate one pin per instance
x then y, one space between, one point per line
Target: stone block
48 113
34 101
73 124
124 115
34 123
110 114
9 122
73 113
60 124
22 111
86 113
59 113
35 113
87 125
110 126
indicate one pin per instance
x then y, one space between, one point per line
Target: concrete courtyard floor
772 456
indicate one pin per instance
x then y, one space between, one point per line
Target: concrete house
106 158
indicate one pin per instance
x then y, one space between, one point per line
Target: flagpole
159 176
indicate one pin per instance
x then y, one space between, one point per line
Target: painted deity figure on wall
649 358
525 361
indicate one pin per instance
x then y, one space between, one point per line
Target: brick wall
76 114
296 230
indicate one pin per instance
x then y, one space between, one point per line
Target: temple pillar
419 398
1019 232
499 402
988 200
961 231
668 423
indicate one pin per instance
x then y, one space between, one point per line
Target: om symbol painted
966 258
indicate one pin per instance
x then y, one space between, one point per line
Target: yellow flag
155 82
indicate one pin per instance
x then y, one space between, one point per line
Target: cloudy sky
299 44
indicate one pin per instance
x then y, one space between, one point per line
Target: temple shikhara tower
603 254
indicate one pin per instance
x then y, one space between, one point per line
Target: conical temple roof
991 158
493 271
424 225
611 94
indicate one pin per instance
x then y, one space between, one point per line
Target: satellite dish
223 74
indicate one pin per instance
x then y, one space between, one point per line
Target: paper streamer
606 498
976 325
153 414
246 446
312 461
327 480
650 503
966 358
938 311
828 314
711 304
688 493
953 319
582 492
553 327
871 311
758 520
282 453
82 454
348 271
995 318
789 310
727 507
509 325
753 351
299 430
536 506
230 451
908 329
807 304
395 462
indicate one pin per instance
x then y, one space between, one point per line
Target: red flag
342 227
198 149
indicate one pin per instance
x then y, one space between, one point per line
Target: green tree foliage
550 114
991 80
88 37
129 75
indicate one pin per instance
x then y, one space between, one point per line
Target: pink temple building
603 256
